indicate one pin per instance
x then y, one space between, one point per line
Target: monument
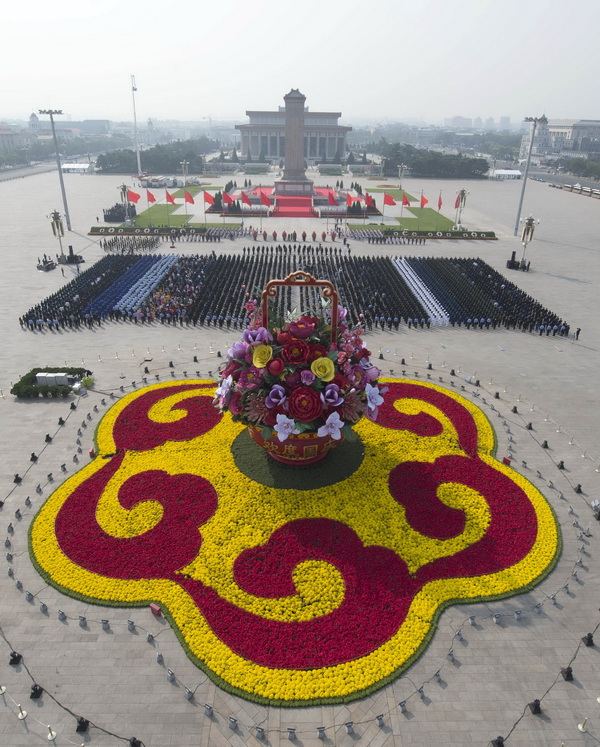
294 181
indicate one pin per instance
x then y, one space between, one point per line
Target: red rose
235 403
271 415
304 404
341 381
232 369
362 353
275 367
295 352
317 351
283 338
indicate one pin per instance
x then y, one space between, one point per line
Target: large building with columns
265 134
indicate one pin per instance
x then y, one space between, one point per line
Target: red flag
424 200
150 196
265 199
370 201
169 198
440 201
457 203
188 197
349 200
209 198
405 200
388 199
227 199
132 196
331 198
246 200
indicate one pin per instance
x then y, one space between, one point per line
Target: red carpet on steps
293 207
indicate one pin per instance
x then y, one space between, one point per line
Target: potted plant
301 383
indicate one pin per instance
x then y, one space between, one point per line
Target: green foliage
350 160
582 167
27 388
234 156
161 159
429 163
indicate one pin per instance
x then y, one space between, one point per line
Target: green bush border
26 388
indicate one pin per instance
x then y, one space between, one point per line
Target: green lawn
194 190
395 193
426 219
160 215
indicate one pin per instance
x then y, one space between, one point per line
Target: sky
373 61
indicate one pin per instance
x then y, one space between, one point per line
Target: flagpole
437 217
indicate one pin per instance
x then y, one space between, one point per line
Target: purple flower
331 396
374 399
257 336
285 427
223 392
307 377
238 350
342 312
276 396
332 427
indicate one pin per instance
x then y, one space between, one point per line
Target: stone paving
112 677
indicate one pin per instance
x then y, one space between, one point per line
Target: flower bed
285 596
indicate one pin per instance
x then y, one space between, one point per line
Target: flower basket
298 449
299 384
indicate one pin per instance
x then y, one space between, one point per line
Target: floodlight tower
52 112
527 234
535 121
135 130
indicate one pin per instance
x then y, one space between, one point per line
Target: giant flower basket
295 588
300 384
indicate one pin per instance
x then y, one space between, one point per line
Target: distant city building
478 123
563 138
489 124
504 124
459 123
12 138
265 135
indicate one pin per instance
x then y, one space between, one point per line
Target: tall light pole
52 112
135 130
461 201
57 228
527 234
401 169
184 170
125 199
535 121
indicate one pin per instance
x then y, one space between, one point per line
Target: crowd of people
211 289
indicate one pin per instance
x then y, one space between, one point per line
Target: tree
234 157
261 156
350 160
221 156
364 157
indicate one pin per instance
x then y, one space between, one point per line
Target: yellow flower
323 369
261 355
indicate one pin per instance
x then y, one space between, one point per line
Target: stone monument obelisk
294 180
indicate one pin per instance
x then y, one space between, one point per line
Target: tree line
160 159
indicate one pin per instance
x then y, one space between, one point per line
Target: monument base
291 187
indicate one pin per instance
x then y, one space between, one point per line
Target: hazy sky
392 59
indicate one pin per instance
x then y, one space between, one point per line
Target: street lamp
527 234
57 228
184 170
135 129
401 169
123 189
52 112
461 201
535 121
